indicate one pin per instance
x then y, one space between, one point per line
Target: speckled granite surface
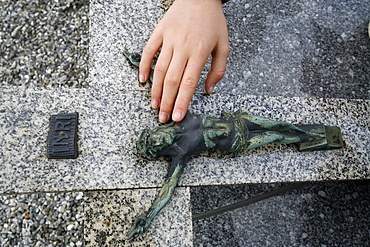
317 214
109 215
289 48
119 25
111 121
294 48
107 138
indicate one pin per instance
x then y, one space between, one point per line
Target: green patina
234 132
134 58
152 141
143 221
214 128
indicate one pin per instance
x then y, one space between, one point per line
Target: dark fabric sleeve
224 1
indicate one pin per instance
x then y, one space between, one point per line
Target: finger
218 67
149 51
171 86
187 88
160 71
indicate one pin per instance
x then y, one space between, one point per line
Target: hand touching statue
190 31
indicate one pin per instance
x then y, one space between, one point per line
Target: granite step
109 215
111 121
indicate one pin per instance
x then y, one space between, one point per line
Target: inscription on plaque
62 139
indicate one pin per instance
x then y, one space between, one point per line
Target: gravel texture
47 219
44 43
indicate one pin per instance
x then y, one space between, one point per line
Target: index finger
151 48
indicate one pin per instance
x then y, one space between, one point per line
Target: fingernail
163 117
155 104
210 90
177 115
141 78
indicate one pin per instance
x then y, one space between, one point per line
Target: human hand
189 32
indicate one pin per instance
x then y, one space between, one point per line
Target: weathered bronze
232 132
134 58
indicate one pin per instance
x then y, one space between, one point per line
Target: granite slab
330 213
115 26
112 120
107 138
294 48
109 215
269 161
304 49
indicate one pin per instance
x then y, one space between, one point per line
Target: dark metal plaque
62 139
